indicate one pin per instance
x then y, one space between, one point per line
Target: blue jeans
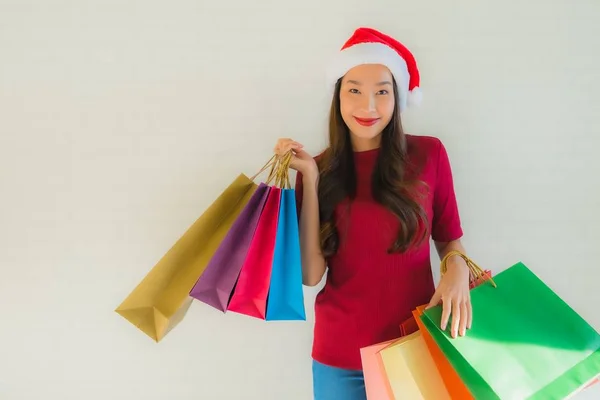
330 383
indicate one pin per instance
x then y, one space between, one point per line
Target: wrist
456 262
310 177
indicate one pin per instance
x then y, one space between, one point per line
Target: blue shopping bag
286 297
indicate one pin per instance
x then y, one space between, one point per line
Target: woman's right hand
301 160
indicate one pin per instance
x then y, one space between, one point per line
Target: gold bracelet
475 271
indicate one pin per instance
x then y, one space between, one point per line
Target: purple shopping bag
215 285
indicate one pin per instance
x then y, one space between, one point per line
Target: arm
313 262
453 289
447 229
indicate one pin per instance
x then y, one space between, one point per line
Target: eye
383 92
354 91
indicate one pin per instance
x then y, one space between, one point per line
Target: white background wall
120 122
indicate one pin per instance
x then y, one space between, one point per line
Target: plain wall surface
121 121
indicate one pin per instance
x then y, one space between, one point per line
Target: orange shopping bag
455 386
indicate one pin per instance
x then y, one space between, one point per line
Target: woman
368 206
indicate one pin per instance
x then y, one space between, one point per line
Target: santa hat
369 46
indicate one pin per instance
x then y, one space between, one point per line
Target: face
367 102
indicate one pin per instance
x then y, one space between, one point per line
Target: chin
365 132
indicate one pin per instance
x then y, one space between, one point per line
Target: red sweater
368 292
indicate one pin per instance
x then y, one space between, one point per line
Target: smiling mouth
366 121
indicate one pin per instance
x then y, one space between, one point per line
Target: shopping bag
410 370
215 285
160 301
376 383
252 288
477 276
408 326
525 341
454 384
286 297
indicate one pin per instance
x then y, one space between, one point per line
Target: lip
367 121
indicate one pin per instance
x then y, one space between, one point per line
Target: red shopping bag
252 288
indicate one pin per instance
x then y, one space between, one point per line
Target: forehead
369 73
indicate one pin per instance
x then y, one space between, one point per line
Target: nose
369 103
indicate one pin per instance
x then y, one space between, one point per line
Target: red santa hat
369 46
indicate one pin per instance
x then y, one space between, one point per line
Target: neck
365 144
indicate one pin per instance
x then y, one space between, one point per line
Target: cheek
346 109
345 103
385 108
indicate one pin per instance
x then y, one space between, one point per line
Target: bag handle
270 163
475 271
282 178
279 172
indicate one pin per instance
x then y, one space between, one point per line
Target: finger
281 142
462 327
285 148
284 142
435 300
446 309
456 317
291 146
469 314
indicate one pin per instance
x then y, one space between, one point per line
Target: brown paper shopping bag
161 299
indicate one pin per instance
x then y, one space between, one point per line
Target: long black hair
391 185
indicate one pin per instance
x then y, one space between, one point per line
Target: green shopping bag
525 342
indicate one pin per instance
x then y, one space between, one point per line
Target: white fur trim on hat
374 53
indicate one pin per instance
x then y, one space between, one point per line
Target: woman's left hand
453 291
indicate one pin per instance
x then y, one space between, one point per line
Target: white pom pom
415 97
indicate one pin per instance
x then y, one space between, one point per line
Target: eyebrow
378 84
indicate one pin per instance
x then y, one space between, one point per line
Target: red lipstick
366 121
